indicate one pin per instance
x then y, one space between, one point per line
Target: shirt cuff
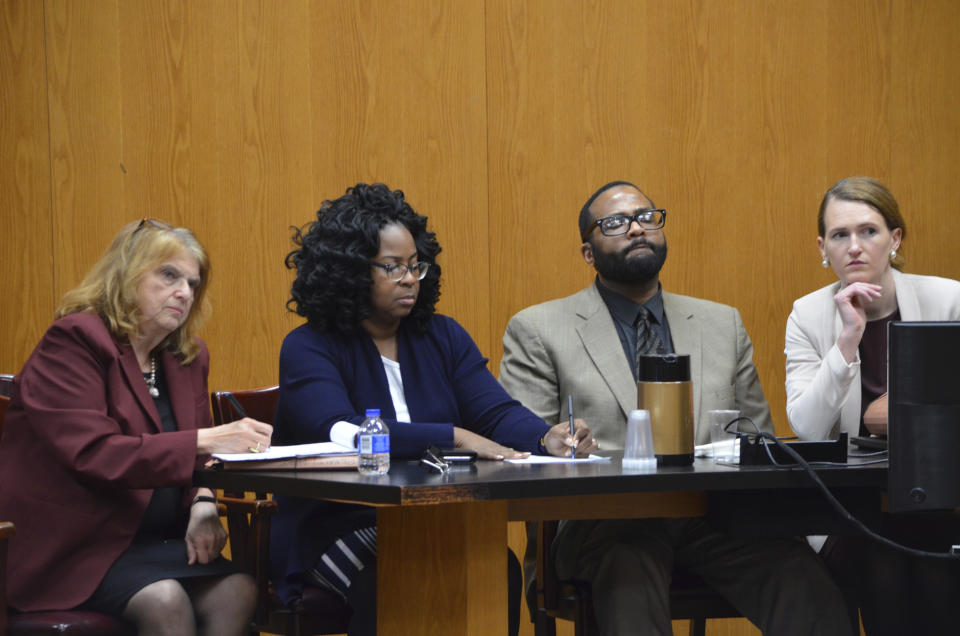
344 433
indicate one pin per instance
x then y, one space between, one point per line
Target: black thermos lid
666 368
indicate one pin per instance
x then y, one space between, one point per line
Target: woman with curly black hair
367 283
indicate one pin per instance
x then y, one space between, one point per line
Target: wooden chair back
260 404
248 522
6 385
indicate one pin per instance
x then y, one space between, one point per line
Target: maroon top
873 363
81 451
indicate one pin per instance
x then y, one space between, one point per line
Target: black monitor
923 383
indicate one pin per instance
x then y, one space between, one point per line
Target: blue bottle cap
373 412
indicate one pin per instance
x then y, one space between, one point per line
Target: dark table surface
410 483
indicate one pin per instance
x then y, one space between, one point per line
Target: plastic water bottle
374 445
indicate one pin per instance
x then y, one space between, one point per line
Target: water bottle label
372 444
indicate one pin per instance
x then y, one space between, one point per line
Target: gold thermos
664 389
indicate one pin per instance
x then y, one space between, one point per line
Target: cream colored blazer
823 391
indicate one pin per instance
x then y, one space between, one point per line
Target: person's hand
485 448
205 535
558 441
243 436
851 304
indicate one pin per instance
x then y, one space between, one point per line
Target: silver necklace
152 380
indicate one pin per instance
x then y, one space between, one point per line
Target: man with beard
586 346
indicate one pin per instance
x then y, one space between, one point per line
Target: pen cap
638 450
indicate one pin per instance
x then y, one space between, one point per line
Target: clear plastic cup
723 442
638 450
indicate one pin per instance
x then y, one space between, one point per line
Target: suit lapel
687 336
599 337
134 378
906 298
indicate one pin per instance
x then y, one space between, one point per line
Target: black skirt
158 551
147 562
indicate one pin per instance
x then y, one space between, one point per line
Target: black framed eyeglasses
433 459
617 224
160 225
396 271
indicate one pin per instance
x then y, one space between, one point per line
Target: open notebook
317 456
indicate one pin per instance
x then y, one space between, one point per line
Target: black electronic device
458 455
869 443
923 383
753 451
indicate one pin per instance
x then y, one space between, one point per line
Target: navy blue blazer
328 377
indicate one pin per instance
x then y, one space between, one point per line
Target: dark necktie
648 342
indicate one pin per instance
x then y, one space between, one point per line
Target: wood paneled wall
497 117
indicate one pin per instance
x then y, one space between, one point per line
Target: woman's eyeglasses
160 225
396 271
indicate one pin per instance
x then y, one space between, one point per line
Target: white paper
550 459
726 448
286 452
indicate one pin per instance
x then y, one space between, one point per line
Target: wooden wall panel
398 97
736 117
925 124
26 279
85 135
497 118
216 143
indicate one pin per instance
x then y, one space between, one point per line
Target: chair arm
249 506
248 524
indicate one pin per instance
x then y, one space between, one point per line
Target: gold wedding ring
255 450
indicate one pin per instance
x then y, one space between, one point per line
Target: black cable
762 438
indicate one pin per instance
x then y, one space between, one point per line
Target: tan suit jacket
570 346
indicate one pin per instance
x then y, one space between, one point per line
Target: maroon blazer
82 450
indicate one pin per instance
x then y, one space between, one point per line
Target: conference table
442 537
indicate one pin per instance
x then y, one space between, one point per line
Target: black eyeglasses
396 271
647 218
160 225
433 459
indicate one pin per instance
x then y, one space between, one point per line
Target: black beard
635 269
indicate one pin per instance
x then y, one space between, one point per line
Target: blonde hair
110 289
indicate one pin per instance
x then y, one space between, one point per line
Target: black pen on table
573 450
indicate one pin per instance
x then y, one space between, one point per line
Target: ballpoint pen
242 413
573 450
236 405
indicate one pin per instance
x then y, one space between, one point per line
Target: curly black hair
332 288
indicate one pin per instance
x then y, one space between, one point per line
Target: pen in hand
236 405
573 449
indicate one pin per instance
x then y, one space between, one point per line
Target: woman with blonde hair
108 419
836 348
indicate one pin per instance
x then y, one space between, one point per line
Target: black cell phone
458 455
